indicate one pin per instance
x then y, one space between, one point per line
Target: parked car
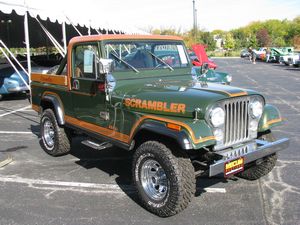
260 53
10 81
281 54
176 128
297 62
245 53
211 76
292 59
198 56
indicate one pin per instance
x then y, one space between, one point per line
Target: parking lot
94 187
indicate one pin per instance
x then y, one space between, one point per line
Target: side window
85 61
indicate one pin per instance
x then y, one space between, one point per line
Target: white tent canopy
84 13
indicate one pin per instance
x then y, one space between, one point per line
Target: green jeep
138 93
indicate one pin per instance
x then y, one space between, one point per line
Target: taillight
101 87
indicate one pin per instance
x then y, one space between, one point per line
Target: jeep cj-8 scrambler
138 93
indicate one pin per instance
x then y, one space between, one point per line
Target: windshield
137 55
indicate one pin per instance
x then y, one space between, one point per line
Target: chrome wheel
48 133
154 180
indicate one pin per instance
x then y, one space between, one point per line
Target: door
88 95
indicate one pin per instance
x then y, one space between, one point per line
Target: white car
294 60
289 59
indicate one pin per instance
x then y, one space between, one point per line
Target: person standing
268 54
252 55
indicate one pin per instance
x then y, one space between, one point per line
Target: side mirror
205 68
106 66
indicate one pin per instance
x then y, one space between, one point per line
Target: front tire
262 167
55 140
165 181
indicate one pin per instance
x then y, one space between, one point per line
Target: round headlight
256 109
217 116
229 78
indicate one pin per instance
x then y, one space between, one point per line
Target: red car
199 56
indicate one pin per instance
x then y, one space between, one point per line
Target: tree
263 37
208 40
279 42
296 41
229 41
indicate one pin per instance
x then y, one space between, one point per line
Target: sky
211 14
164 14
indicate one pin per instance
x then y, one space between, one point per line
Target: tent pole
27 43
64 36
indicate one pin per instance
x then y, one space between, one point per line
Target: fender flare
57 107
155 127
271 117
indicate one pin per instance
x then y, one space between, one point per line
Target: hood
173 98
200 53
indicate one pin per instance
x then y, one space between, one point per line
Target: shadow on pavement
117 162
13 97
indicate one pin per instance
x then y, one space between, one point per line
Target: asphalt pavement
94 187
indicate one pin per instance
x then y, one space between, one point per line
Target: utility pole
194 15
195 26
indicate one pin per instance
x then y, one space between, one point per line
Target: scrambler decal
155 105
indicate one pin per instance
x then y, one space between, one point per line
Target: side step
95 145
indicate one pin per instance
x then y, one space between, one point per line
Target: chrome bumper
250 152
17 89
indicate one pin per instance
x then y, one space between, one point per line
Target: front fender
270 118
159 128
191 134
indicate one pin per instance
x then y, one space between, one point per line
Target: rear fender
57 107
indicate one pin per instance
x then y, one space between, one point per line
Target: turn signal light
173 126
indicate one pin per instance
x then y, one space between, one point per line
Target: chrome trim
237 120
251 151
18 89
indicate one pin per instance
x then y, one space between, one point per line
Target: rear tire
165 180
260 168
55 140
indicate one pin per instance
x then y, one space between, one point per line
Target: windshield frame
143 41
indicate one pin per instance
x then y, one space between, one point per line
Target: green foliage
271 33
279 42
229 41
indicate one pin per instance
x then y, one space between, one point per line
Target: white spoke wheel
154 180
48 134
165 180
55 140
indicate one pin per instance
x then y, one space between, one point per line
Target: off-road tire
180 176
61 136
1 96
259 169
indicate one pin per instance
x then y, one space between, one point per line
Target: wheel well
146 135
47 105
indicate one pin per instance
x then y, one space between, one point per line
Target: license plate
233 166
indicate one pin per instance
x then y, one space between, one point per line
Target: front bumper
251 151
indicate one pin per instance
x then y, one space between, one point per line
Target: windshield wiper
159 59
126 63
